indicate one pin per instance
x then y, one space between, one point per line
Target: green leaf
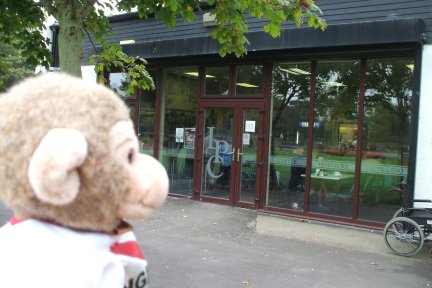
272 29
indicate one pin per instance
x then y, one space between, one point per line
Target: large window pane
290 117
178 129
249 79
216 80
334 138
387 118
146 120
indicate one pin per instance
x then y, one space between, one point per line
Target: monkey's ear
53 167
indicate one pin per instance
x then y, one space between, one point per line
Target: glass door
249 154
231 158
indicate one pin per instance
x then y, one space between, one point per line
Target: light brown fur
34 107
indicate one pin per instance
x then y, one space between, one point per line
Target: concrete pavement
195 244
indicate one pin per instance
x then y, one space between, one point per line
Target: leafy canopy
20 20
13 67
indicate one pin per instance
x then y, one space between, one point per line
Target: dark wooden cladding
336 12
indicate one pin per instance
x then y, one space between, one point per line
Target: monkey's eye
131 156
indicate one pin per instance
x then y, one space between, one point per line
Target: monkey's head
69 154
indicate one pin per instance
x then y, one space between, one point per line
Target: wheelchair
410 227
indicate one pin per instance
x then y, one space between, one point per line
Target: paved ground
195 244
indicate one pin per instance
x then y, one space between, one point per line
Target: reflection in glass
249 155
249 79
131 108
118 82
290 118
334 138
387 118
216 80
217 152
177 147
146 120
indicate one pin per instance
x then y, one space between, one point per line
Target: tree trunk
70 44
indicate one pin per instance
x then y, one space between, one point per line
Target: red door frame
238 107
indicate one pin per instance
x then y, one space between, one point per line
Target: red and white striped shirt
39 254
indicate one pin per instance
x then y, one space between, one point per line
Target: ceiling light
410 66
300 71
192 73
295 71
289 71
247 85
196 74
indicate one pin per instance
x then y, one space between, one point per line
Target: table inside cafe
335 184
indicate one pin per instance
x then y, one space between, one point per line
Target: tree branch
91 41
88 8
73 9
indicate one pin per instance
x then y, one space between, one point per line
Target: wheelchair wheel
398 213
404 236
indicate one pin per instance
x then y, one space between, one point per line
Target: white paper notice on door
250 126
179 136
246 139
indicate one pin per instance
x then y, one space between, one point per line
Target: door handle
238 155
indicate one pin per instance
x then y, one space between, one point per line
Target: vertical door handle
233 154
238 155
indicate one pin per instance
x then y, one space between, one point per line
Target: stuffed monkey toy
71 171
